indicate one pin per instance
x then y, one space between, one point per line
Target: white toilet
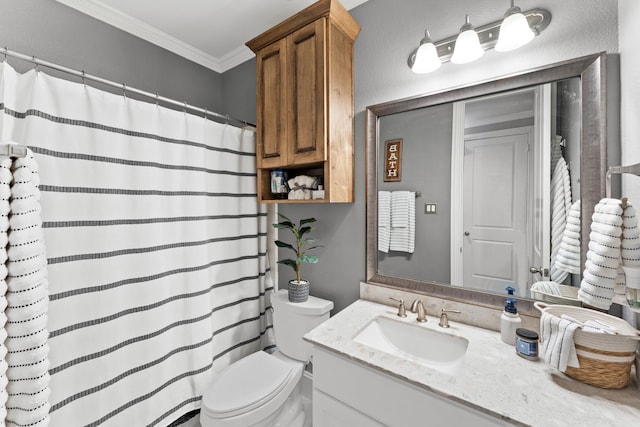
264 389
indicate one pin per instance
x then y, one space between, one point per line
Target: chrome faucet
444 319
402 312
418 307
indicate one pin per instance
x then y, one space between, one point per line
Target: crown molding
115 18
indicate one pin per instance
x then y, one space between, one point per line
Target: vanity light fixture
467 46
447 49
515 31
426 59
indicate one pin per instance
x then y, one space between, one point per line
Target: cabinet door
306 75
271 109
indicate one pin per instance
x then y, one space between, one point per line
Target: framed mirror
480 161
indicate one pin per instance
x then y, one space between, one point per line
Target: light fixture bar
538 20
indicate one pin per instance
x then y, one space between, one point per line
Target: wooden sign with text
393 160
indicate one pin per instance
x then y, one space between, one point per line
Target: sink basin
435 349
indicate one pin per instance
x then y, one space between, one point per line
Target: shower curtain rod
33 59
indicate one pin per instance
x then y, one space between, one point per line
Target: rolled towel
630 246
556 342
605 240
600 271
609 206
608 251
603 261
595 291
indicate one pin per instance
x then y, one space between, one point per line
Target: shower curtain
156 248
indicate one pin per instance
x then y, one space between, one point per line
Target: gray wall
57 33
390 31
426 167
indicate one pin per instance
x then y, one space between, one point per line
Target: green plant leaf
312 259
304 230
282 244
283 216
291 263
306 221
285 224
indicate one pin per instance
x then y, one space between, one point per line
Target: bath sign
393 160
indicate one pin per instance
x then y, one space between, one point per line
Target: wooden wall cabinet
304 84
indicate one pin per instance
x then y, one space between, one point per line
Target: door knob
540 270
466 233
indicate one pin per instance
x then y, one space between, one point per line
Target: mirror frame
593 163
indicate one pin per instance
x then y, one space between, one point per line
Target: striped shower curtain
156 248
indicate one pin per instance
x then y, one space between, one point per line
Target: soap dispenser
510 319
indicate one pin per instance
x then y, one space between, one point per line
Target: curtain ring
6 49
206 114
84 81
157 99
124 90
226 119
35 61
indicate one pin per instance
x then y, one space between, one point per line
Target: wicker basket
568 295
605 360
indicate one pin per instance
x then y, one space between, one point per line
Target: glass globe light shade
514 31
426 59
467 47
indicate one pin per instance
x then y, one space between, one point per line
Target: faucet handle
402 312
418 307
444 319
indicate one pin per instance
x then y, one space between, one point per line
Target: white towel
630 246
400 208
403 221
601 277
27 302
560 206
384 220
568 257
556 341
5 193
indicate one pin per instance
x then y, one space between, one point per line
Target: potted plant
298 288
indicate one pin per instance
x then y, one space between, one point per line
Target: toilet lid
229 394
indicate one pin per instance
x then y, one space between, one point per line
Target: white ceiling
211 33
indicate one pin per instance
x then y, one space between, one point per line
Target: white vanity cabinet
347 393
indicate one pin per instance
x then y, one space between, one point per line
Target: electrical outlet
430 208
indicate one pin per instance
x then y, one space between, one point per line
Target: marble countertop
492 377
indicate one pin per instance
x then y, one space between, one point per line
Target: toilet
263 389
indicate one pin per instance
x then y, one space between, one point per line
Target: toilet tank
291 321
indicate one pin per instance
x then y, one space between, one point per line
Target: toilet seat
269 376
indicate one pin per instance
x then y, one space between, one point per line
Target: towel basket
568 295
605 360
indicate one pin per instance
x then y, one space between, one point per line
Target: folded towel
384 220
400 208
301 187
556 341
402 237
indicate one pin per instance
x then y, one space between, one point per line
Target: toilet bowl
264 389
